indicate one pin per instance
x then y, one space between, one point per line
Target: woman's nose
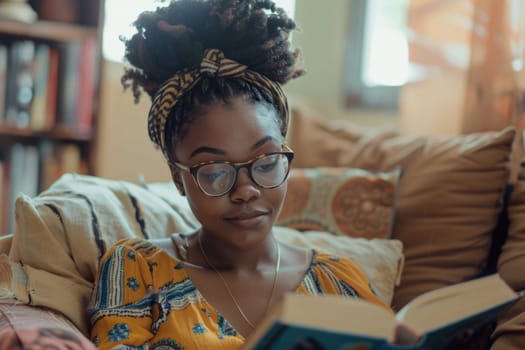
244 189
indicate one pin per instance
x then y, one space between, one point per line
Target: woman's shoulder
138 247
337 264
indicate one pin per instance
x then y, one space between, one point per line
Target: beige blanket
60 236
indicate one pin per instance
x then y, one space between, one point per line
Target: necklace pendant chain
275 278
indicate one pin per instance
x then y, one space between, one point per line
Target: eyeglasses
216 178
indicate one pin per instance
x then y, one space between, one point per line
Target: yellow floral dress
144 299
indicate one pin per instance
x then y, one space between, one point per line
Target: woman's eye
214 176
267 166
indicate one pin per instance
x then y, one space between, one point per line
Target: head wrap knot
213 64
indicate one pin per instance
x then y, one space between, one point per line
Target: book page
339 314
445 305
331 313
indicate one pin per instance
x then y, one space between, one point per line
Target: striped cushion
61 234
26 327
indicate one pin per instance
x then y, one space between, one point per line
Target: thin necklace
275 277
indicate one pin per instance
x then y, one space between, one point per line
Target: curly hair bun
173 38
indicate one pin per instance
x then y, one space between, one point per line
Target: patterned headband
215 64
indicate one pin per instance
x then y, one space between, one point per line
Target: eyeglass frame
192 170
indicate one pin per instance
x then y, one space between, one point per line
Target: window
377 53
120 14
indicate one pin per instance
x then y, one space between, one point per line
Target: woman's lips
248 219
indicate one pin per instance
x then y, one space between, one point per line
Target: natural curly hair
173 38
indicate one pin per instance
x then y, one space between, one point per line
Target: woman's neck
207 249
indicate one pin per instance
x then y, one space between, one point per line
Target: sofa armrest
30 327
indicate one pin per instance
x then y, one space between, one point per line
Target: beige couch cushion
60 235
449 196
343 201
449 200
381 259
319 143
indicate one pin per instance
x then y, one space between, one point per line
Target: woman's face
237 132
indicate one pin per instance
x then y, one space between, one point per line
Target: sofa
417 213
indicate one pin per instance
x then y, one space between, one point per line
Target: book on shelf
23 175
57 159
68 75
41 76
19 83
78 66
52 87
432 320
87 79
3 78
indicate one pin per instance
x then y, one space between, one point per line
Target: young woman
214 71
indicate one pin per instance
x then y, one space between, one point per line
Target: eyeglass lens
218 178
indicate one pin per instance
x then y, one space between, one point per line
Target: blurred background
420 67
424 67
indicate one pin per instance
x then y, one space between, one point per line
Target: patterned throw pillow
343 201
30 327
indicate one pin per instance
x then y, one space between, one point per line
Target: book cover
68 87
40 76
31 172
20 84
433 320
52 88
86 85
23 175
3 79
16 180
49 167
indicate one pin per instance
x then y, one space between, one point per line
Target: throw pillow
448 202
343 201
380 259
321 144
29 327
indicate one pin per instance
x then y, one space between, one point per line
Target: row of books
29 169
44 84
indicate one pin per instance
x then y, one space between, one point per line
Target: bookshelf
49 92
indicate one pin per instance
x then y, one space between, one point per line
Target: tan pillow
380 259
343 201
326 144
448 200
61 234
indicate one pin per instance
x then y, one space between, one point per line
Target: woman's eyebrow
263 141
207 150
217 151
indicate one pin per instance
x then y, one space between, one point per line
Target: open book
430 321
